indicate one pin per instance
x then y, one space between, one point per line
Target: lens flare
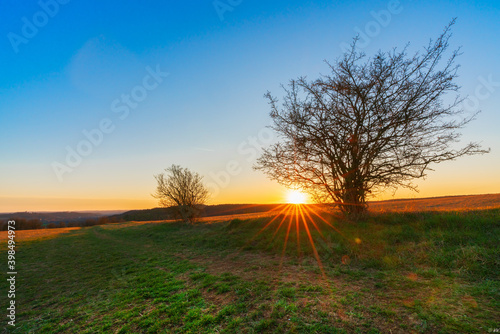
306 222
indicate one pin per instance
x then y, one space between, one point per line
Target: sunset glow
296 197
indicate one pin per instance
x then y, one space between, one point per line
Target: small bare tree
181 188
370 124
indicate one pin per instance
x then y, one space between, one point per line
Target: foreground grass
399 273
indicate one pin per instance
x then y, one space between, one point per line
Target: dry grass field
41 234
448 203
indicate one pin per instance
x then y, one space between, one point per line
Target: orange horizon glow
56 204
256 190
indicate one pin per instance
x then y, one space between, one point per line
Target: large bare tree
372 123
183 189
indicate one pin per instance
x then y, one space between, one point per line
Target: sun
296 197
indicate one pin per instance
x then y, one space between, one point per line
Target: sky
96 97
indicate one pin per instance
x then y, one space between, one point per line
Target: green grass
418 272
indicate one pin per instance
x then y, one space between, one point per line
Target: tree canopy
181 188
370 124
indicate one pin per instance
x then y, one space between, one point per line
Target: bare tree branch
181 188
372 123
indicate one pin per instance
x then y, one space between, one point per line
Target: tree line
36 224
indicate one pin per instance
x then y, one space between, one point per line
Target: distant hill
55 217
206 211
446 203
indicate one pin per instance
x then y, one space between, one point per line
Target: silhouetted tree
368 125
183 189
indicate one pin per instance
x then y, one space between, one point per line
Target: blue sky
63 77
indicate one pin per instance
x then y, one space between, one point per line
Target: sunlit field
448 203
27 235
298 269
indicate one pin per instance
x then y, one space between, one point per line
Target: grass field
391 273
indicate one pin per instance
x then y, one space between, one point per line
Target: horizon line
276 203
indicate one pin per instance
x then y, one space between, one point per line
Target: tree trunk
353 204
353 199
184 213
